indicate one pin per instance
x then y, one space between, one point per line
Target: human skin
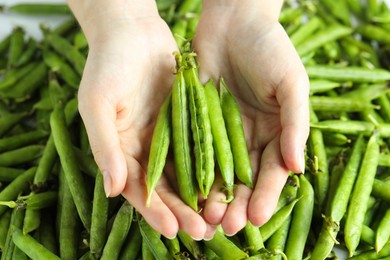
244 42
129 71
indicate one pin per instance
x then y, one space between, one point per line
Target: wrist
102 16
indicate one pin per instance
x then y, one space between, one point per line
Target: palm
126 79
264 72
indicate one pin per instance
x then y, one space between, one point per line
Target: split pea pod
159 147
221 142
361 194
119 231
301 220
232 116
201 128
31 247
181 143
64 147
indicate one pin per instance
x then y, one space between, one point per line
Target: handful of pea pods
52 201
202 123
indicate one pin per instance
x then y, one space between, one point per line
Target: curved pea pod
224 247
361 194
277 220
232 116
181 143
31 247
201 128
159 147
221 141
301 220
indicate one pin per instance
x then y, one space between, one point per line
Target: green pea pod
64 147
131 247
328 34
360 195
277 242
221 142
4 43
181 143
12 76
27 54
100 205
305 30
27 85
253 238
66 49
17 141
16 45
301 220
119 231
15 222
153 240
193 246
12 190
40 9
339 104
277 220
159 147
8 174
346 74
383 231
31 247
232 116
10 120
21 155
201 128
173 246
381 189
224 247
5 221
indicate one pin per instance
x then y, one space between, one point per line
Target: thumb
99 115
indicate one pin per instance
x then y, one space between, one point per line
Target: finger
188 220
215 207
98 115
270 181
210 232
293 97
236 215
158 215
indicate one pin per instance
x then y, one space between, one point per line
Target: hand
128 74
244 43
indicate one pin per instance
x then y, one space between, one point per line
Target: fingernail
196 238
301 160
107 183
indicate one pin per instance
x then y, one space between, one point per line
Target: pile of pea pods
52 201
